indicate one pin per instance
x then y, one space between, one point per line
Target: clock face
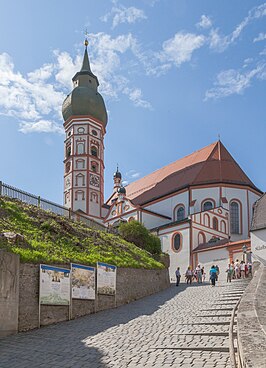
94 180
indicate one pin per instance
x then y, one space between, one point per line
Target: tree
137 233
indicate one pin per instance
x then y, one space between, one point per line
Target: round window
177 242
94 132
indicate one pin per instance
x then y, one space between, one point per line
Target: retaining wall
132 284
251 322
9 286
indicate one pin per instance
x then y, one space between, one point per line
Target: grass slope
49 238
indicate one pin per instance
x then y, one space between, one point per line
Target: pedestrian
189 275
203 274
250 269
178 276
217 272
237 269
213 275
230 272
199 274
242 270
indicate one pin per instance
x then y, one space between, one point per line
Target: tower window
94 151
94 166
94 132
68 151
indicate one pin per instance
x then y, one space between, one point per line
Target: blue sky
174 75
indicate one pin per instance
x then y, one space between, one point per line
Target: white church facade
199 206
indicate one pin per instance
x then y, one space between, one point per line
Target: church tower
85 120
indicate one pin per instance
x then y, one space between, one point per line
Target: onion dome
85 98
121 190
117 174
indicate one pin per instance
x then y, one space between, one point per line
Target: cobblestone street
179 327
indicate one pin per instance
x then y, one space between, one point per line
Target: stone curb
251 323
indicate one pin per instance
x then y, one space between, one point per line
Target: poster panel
106 279
83 281
54 285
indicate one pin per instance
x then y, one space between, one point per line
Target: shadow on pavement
64 344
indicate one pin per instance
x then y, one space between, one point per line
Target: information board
106 279
54 285
83 281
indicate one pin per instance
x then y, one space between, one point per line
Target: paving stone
174 328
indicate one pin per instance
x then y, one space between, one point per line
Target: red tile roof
211 164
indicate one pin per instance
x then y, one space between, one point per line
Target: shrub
137 233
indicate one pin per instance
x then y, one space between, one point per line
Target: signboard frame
84 267
106 265
53 268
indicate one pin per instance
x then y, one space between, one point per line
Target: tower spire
86 64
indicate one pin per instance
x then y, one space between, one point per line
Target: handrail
231 337
12 192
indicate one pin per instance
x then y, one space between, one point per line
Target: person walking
178 276
213 275
242 270
199 274
217 272
203 274
230 272
189 275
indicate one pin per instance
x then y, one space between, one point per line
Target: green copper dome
85 98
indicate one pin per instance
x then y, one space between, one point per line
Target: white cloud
130 176
135 95
36 98
41 126
229 82
261 37
205 22
180 48
121 14
220 42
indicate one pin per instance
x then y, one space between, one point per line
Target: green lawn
48 238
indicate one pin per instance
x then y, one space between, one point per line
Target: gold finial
86 42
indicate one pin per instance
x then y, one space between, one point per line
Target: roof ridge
173 162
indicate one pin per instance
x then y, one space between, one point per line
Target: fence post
1 187
69 213
39 201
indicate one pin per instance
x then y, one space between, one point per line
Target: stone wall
9 284
251 322
132 284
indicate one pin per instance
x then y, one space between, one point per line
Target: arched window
206 220
177 242
223 226
94 151
180 213
68 151
215 224
234 217
80 180
94 197
94 166
68 166
80 164
201 238
80 148
208 205
79 195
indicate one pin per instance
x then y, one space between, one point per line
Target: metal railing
12 192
